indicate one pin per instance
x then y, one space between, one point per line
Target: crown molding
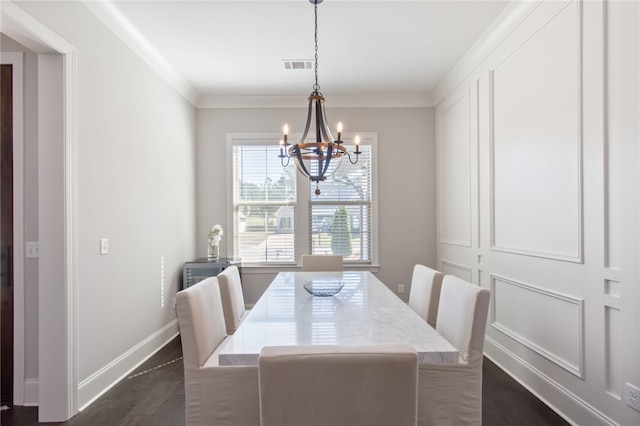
108 13
412 100
30 32
509 19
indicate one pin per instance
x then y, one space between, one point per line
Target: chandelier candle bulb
339 127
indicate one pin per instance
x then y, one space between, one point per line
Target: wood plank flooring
153 395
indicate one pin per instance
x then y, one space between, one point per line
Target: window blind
264 204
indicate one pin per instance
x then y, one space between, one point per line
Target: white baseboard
102 380
573 409
31 392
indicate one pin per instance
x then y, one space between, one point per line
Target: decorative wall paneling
536 183
621 277
454 129
551 139
557 335
460 271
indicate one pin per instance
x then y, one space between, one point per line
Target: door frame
16 60
57 341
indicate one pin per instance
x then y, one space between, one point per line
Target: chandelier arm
327 161
326 130
303 171
318 123
303 139
349 155
299 162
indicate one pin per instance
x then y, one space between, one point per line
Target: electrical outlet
400 288
633 397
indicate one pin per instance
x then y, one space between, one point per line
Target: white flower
216 234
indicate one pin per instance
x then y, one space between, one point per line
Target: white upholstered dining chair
424 295
321 262
232 298
370 385
451 394
214 395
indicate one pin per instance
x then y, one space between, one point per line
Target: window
264 206
340 216
270 225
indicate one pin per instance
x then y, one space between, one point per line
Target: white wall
135 186
406 179
538 192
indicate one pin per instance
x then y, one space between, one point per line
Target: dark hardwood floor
153 395
506 402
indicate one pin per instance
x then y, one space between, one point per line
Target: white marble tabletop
364 312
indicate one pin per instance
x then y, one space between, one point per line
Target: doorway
56 385
6 235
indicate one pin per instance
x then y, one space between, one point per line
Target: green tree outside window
340 232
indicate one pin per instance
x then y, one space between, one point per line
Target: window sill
274 269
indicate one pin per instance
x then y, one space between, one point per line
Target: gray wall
406 179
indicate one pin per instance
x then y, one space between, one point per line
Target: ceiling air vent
297 64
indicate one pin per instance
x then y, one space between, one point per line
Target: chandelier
313 157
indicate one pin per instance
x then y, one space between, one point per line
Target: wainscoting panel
555 201
546 322
460 271
613 351
613 344
536 143
455 173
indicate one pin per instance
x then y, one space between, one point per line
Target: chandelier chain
316 86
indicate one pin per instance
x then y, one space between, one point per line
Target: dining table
363 312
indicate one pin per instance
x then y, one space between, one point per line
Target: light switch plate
32 249
104 246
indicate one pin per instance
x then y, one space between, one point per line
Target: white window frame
303 228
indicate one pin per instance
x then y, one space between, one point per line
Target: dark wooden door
6 235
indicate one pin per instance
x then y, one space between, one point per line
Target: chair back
462 317
373 385
201 321
232 298
424 295
321 262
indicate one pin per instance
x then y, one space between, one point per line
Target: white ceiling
236 48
